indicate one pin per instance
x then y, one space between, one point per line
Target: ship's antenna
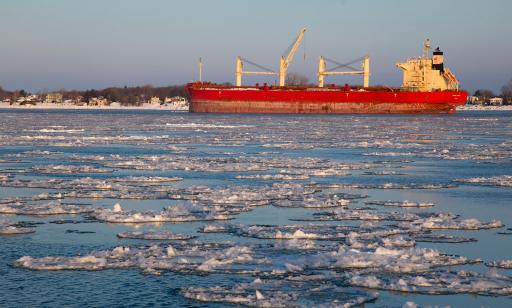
426 48
200 69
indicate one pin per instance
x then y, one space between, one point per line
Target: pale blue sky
54 44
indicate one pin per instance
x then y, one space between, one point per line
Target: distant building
176 103
53 98
496 101
154 100
473 100
98 101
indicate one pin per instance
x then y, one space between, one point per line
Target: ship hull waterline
322 102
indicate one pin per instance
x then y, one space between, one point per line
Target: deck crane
285 62
240 70
365 64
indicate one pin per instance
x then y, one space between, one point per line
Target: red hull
221 99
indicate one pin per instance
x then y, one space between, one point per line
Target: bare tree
506 92
295 79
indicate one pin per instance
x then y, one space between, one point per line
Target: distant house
155 100
53 98
177 100
176 103
98 101
496 101
473 100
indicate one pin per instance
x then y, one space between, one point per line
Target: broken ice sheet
501 180
274 177
507 264
438 282
448 221
281 293
386 186
405 204
184 257
287 232
13 228
183 212
154 235
313 201
70 169
442 238
395 260
44 209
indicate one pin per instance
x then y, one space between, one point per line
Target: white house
496 101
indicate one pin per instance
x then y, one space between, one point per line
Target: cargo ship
428 87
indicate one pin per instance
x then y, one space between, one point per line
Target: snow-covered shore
489 108
158 107
70 106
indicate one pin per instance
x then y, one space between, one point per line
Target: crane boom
286 61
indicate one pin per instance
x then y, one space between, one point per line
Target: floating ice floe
390 154
274 177
174 213
247 196
501 180
438 282
387 186
404 203
313 201
287 232
448 221
183 257
47 196
146 179
501 264
403 260
12 228
115 188
442 238
383 173
205 125
72 169
41 153
50 208
369 214
281 293
154 235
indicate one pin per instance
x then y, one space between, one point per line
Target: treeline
486 94
128 95
124 95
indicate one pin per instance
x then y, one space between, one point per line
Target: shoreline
76 107
485 108
165 108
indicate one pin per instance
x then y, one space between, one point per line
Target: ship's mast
200 70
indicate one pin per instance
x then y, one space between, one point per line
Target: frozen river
118 208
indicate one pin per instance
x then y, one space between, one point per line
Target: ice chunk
405 203
501 264
50 208
12 228
500 180
154 235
